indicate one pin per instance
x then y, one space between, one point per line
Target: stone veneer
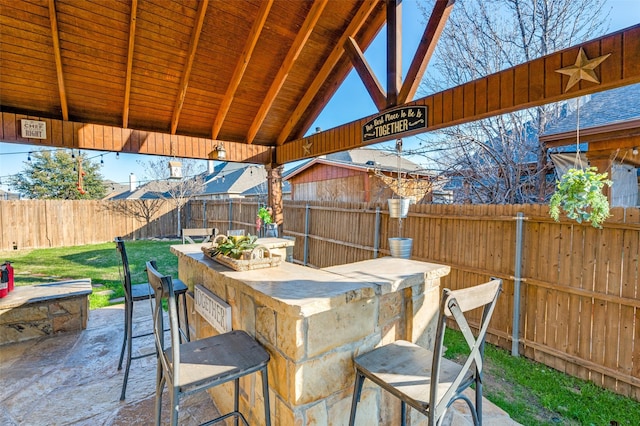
41 310
313 322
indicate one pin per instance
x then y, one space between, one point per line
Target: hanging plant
579 195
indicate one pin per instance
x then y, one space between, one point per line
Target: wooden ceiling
251 71
178 77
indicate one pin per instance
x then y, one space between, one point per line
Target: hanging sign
33 129
399 122
213 309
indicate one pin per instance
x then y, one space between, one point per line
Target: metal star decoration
583 69
306 148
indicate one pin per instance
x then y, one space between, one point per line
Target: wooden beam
394 51
495 94
437 20
241 66
371 83
623 129
294 51
77 135
132 42
358 20
58 58
186 72
340 72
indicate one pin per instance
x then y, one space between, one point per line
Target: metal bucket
400 247
398 207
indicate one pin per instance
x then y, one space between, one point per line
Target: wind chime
81 174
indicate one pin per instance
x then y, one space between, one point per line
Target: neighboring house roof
114 189
5 195
148 191
600 109
235 179
363 159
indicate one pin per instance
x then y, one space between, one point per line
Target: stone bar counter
313 322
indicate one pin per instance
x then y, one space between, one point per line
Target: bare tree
499 159
178 191
142 209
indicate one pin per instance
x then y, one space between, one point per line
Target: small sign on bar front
213 309
403 121
33 129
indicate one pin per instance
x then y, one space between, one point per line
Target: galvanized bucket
398 207
400 247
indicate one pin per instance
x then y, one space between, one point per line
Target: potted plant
579 195
265 217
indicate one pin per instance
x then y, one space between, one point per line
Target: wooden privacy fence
579 307
578 289
60 223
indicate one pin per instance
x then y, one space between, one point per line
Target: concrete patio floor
73 379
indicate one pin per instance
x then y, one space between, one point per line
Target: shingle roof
602 108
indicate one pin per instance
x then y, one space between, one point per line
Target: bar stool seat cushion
225 357
144 291
405 369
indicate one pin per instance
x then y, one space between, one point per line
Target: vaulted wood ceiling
250 71
178 77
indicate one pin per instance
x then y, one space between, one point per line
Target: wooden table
312 322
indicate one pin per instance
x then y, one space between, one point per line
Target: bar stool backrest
125 268
163 290
453 305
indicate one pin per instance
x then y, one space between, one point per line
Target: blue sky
350 102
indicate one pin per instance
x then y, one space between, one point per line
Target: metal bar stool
196 366
134 293
423 379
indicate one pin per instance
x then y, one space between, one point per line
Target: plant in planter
265 217
579 195
234 246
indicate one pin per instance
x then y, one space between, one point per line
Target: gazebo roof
247 71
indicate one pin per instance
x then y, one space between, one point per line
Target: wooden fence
578 307
60 223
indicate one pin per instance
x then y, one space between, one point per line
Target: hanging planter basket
579 195
398 207
400 247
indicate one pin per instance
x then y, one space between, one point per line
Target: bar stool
424 379
202 364
134 293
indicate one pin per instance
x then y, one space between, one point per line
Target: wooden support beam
186 72
496 94
358 20
437 20
371 83
132 42
394 51
241 66
58 58
294 51
73 134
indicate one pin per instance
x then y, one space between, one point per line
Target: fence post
230 214
306 235
515 339
376 236
204 213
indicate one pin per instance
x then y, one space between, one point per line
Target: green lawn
531 393
100 262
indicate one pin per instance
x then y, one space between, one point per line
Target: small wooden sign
214 310
33 129
403 121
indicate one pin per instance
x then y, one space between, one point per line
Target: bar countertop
304 291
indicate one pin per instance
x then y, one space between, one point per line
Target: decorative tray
257 258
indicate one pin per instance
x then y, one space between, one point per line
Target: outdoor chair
204 234
134 293
423 378
202 364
